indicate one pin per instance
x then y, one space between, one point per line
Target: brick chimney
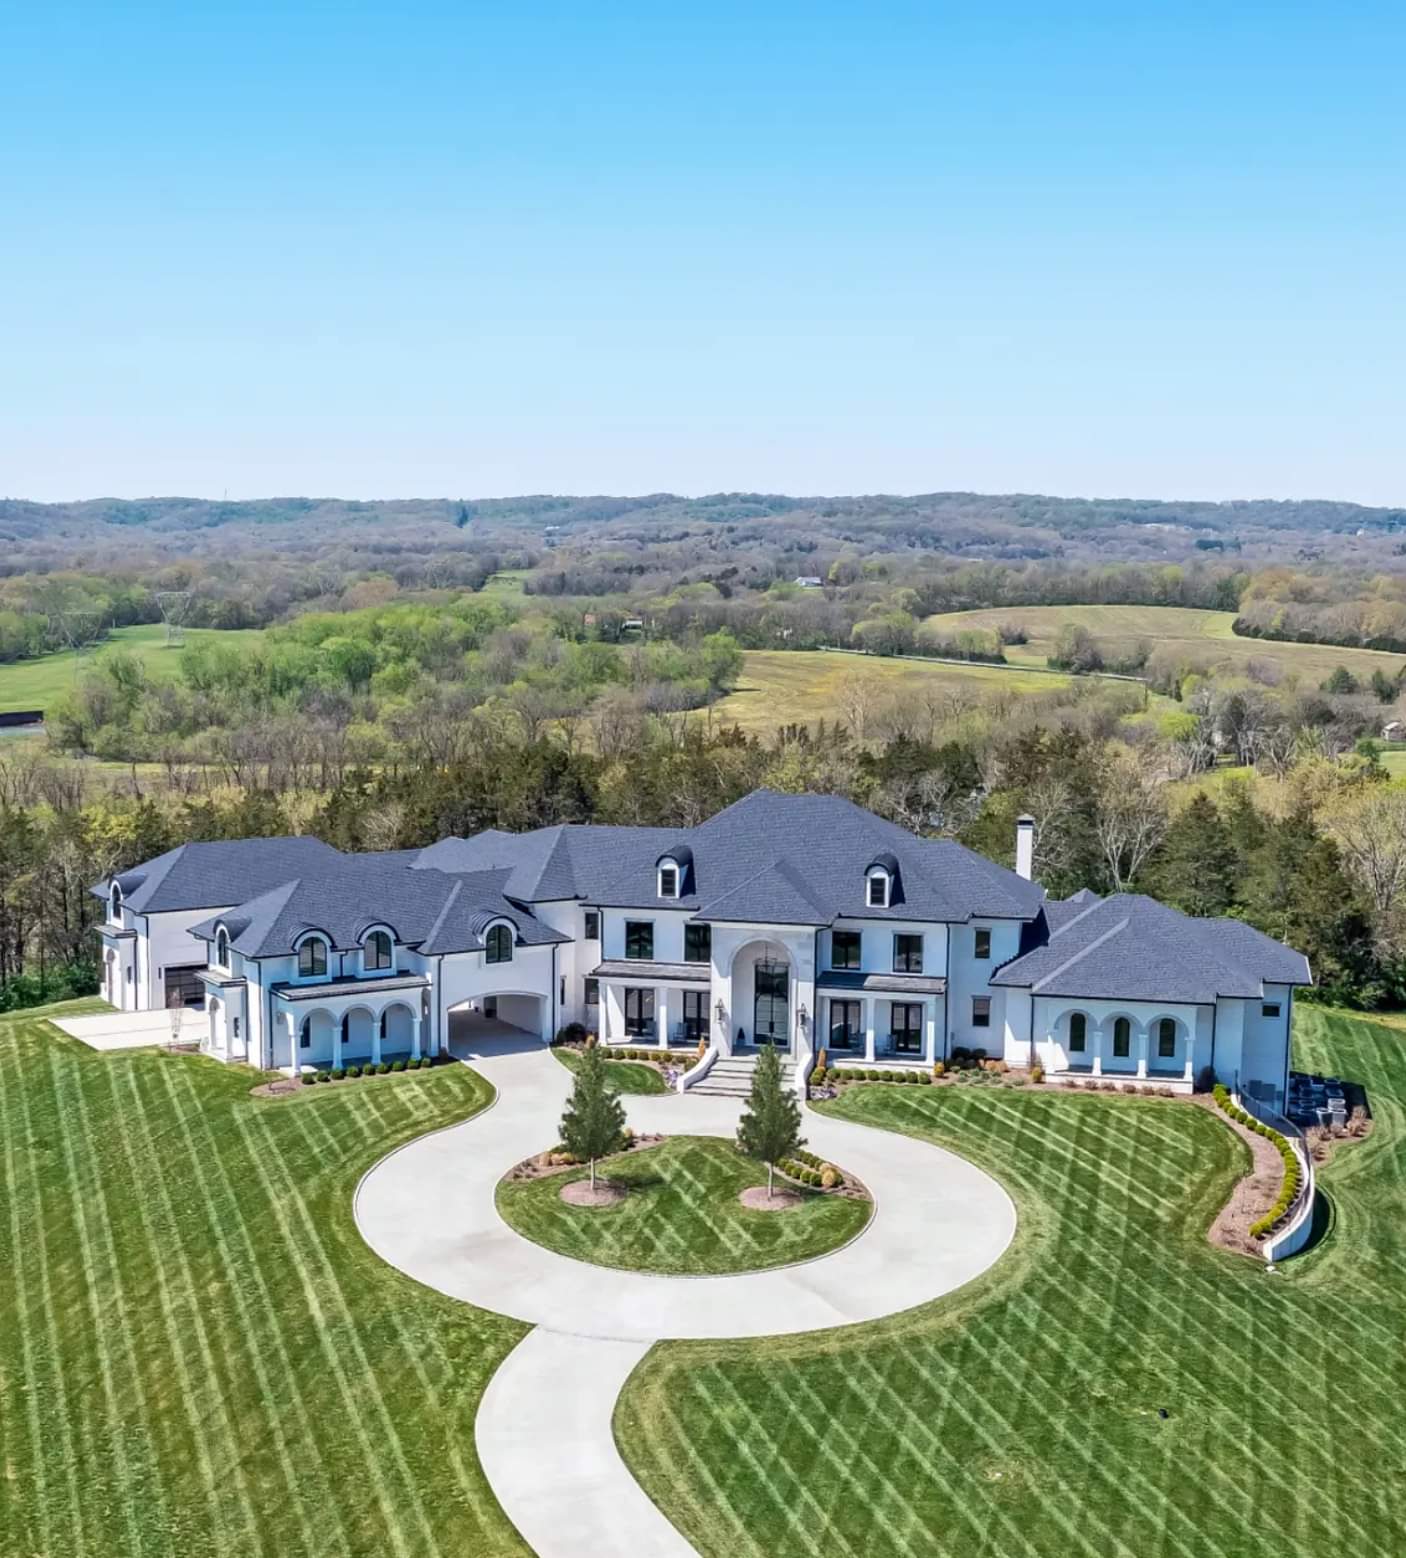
1024 846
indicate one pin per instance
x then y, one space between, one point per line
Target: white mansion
800 921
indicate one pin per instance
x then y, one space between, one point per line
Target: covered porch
349 1022
646 1003
878 1019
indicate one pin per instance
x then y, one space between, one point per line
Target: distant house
807 581
1394 730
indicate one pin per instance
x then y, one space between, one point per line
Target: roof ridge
1059 930
428 939
1083 952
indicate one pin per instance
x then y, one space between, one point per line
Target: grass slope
35 684
1206 637
198 1354
682 1214
801 686
1020 1417
625 1076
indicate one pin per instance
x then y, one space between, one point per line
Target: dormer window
668 880
115 904
222 948
671 871
498 946
376 954
312 958
878 890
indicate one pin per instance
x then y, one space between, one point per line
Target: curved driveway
543 1428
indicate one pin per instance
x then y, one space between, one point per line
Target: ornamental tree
770 1127
594 1120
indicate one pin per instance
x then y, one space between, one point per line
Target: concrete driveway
543 1427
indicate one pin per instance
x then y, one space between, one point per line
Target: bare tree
1130 817
1369 828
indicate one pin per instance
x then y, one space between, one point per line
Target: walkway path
543 1428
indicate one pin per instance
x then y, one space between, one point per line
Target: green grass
198 1353
1019 1418
625 1076
1202 637
35 684
682 1214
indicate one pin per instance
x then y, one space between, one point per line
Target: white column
1188 1073
336 1041
1142 1053
294 1062
663 1013
869 1005
376 1039
1098 1051
929 1031
414 1038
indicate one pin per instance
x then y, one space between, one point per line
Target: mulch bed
540 1165
579 1192
1253 1195
757 1198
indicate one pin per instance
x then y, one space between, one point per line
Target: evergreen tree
1197 864
594 1120
770 1127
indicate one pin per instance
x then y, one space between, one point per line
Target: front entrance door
771 1022
907 1028
846 1025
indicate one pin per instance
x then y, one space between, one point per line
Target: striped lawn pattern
1020 1416
624 1076
198 1354
682 1214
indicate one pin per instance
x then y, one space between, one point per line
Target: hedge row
1292 1172
806 1169
337 1073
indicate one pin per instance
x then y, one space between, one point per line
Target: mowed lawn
198 1354
35 684
625 1076
803 686
1023 1416
682 1214
1204 637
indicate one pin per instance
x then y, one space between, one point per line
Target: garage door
184 985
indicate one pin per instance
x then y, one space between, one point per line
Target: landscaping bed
682 1214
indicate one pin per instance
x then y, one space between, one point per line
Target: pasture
1201 638
37 683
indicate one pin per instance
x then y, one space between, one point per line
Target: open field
1205 637
803 686
34 684
200 1356
682 1214
1022 1417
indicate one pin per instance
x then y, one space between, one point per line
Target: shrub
938 1070
571 1033
925 1079
308 1078
1037 1074
876 1075
817 1077
354 1071
324 1076
336 1073
829 1177
398 1065
1130 1087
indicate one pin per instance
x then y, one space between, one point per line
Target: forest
434 667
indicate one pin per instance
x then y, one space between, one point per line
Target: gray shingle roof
1132 948
216 875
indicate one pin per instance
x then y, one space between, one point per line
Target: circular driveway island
543 1427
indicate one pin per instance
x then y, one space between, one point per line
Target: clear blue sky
469 249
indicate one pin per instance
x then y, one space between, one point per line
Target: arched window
1166 1038
377 951
222 948
305 1034
499 946
1078 1031
1122 1036
115 902
312 957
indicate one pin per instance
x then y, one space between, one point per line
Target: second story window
377 952
878 891
668 881
222 948
592 925
312 958
697 943
844 949
982 944
639 938
499 946
115 905
907 954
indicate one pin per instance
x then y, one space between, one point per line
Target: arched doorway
771 1002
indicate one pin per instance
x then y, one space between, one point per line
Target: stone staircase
730 1076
